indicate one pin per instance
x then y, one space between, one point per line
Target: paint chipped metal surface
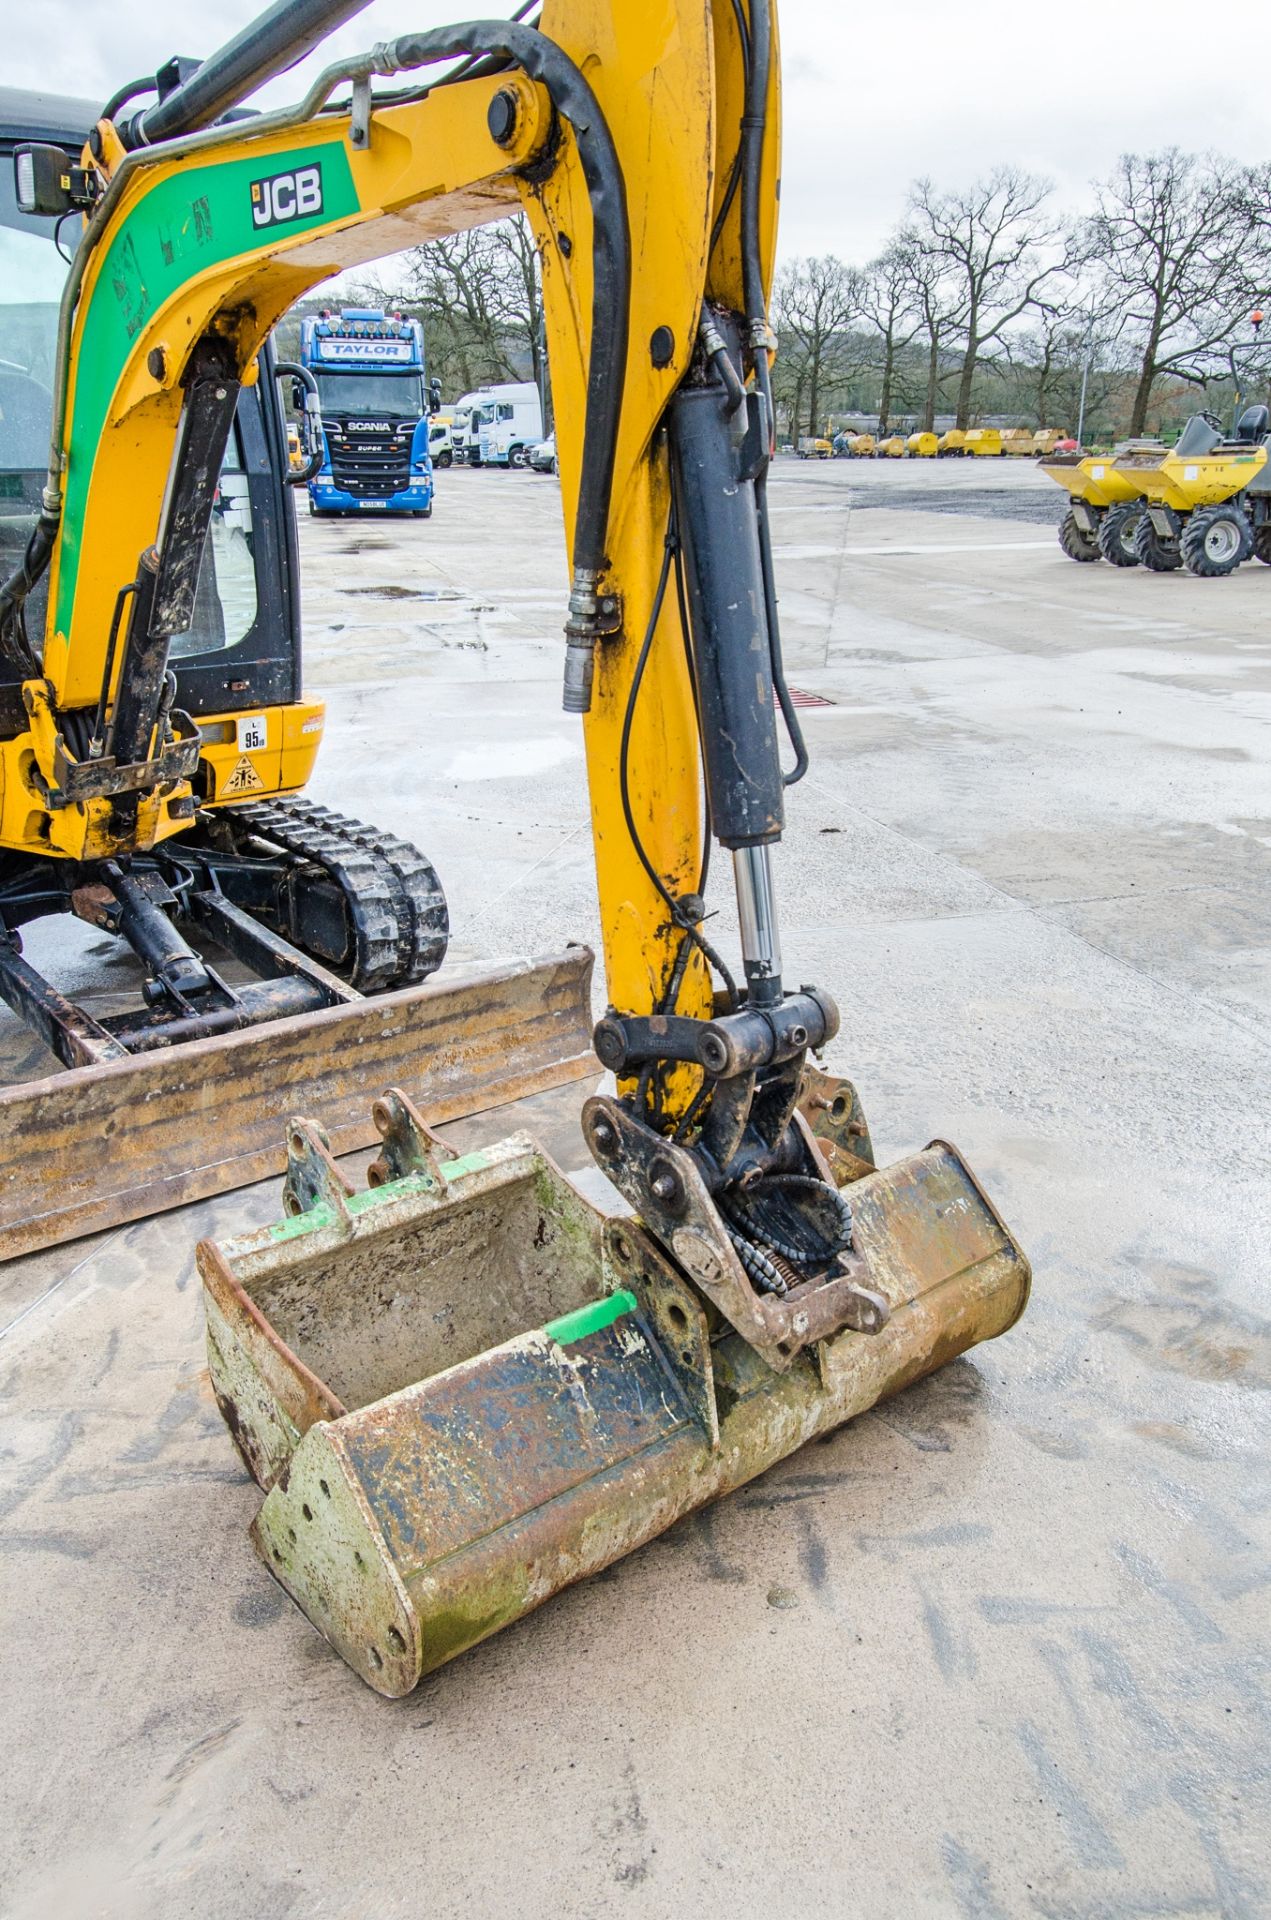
464 1390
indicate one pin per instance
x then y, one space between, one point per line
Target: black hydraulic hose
469 68
122 95
788 713
754 128
266 46
292 370
14 643
574 100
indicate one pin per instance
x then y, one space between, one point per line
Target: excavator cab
242 650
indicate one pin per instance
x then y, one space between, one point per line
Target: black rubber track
396 905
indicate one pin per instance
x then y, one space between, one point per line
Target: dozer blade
98 1146
464 1389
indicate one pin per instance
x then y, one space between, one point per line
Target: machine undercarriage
319 908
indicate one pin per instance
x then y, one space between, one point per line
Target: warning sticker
244 779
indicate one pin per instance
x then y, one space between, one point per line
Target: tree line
984 303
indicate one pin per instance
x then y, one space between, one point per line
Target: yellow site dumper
1104 507
1206 499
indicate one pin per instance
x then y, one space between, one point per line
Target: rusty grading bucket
465 1389
100 1145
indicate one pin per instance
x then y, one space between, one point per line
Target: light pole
1085 377
1255 321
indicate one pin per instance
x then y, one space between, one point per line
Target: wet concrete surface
997 1649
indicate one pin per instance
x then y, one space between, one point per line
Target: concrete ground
998 1648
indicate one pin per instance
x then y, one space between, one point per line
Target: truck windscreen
395 396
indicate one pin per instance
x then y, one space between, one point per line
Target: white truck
441 439
502 423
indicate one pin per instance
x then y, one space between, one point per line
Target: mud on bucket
464 1388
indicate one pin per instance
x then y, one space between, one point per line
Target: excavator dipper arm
461 1389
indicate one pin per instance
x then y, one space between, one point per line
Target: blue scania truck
375 404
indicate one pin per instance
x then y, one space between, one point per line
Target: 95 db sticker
253 733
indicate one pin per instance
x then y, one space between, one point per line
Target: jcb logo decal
287 196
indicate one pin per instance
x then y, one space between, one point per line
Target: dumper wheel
1157 555
1216 540
1075 541
1262 544
1116 533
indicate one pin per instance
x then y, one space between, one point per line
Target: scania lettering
375 403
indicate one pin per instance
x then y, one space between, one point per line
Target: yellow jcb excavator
463 1387
155 735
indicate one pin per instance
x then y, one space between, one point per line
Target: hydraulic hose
574 100
754 128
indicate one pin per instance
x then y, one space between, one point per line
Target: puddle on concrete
391 591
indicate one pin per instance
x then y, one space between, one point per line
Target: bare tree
940 304
997 247
1169 245
1069 343
479 297
814 304
889 306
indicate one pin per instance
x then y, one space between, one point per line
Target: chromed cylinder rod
757 912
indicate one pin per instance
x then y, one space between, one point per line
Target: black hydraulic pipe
169 958
266 46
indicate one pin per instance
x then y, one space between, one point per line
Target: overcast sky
875 94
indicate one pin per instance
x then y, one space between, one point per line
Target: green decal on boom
187 223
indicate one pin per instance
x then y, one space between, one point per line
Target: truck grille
371 472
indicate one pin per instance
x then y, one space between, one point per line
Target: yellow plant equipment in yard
1104 506
1207 499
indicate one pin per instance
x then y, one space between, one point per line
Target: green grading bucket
464 1388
